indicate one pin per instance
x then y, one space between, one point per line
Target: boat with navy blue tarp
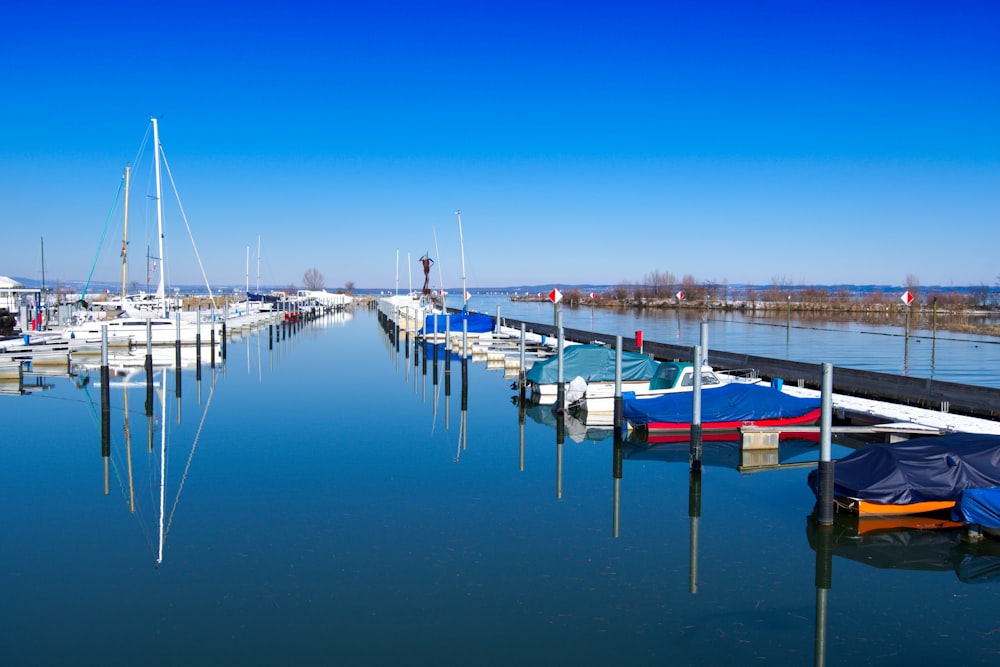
925 474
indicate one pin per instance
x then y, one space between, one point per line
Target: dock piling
824 508
696 413
619 418
560 380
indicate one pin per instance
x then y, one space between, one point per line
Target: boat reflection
574 429
142 478
925 543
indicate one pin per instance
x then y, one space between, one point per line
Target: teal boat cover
594 363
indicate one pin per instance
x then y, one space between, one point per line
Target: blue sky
848 142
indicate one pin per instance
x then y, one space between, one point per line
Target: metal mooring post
696 413
824 509
619 418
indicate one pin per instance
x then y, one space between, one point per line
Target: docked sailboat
146 320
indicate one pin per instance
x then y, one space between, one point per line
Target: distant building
10 291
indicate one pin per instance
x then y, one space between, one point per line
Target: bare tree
659 282
349 287
313 279
692 290
912 286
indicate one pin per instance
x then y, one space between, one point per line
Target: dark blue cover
594 363
736 401
924 469
477 323
979 506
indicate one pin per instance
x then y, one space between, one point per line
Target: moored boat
979 510
597 401
593 363
436 325
926 474
726 408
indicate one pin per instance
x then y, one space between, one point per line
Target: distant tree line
663 290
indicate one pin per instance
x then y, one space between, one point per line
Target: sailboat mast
248 269
461 243
160 294
258 263
163 462
440 274
43 263
125 236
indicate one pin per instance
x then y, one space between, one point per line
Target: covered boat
921 475
473 323
593 363
979 509
726 408
598 398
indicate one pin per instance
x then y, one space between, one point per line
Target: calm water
326 502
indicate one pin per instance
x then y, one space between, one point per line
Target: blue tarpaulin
477 323
979 506
932 468
736 401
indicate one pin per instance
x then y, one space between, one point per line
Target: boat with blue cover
979 510
596 402
454 323
926 474
727 408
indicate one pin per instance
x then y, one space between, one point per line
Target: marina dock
864 401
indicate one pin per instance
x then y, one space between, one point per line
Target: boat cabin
680 374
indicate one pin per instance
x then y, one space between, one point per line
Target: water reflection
147 500
910 543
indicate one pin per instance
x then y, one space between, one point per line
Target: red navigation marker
555 296
680 296
906 297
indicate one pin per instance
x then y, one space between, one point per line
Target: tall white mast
125 237
461 243
438 253
248 269
160 293
258 263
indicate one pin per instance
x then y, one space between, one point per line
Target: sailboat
137 323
